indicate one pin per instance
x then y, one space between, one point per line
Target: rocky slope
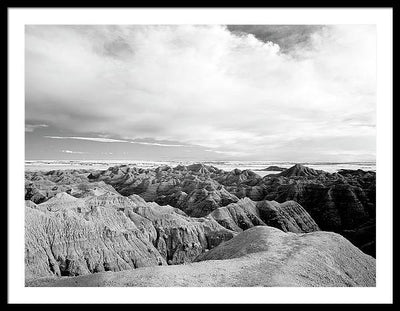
104 231
338 202
244 214
41 186
80 222
101 230
194 188
259 256
72 237
341 202
363 236
180 238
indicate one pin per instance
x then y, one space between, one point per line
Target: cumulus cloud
208 86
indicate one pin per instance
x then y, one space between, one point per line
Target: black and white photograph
170 155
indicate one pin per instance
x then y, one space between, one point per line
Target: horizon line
175 160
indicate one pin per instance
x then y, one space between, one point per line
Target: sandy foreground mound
259 256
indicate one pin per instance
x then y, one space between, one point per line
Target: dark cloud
288 37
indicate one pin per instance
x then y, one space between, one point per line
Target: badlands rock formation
70 236
124 218
108 232
41 186
341 202
287 216
260 256
180 238
337 202
193 189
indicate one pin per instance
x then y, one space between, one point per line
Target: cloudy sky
201 92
